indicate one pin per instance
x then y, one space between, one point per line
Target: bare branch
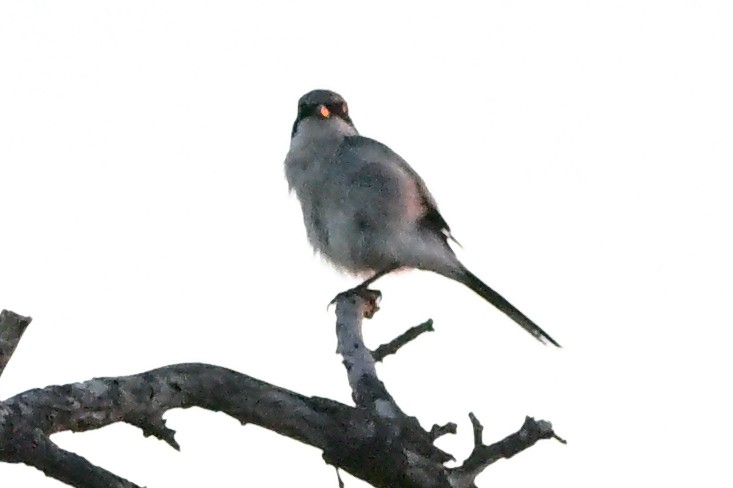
371 448
155 427
482 456
34 448
367 390
142 399
375 441
409 335
478 430
12 327
441 430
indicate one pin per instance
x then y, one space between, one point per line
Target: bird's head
325 108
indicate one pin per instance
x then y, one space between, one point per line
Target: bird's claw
371 297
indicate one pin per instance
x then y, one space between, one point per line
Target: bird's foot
371 297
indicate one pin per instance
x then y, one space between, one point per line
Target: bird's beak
323 110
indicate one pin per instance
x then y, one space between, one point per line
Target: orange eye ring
325 113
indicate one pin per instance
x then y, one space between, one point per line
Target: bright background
581 152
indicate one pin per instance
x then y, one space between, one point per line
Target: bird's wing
359 150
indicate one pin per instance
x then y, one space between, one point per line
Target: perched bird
365 209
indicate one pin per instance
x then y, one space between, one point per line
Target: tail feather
485 292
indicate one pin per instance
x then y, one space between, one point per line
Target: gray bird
365 209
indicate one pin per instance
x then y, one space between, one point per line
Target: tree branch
367 390
440 430
34 448
395 344
142 399
482 455
374 440
12 327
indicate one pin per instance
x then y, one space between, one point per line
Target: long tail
483 290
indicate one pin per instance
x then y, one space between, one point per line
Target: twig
482 455
478 430
395 344
441 430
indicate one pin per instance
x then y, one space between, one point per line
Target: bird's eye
345 109
323 110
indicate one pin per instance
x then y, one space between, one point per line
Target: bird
366 210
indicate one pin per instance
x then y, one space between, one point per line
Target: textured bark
12 327
396 344
373 440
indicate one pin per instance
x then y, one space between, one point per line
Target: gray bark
12 327
373 440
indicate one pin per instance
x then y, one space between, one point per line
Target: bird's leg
365 284
363 288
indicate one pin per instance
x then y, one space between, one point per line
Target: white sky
581 152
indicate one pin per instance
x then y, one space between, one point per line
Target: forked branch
373 440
